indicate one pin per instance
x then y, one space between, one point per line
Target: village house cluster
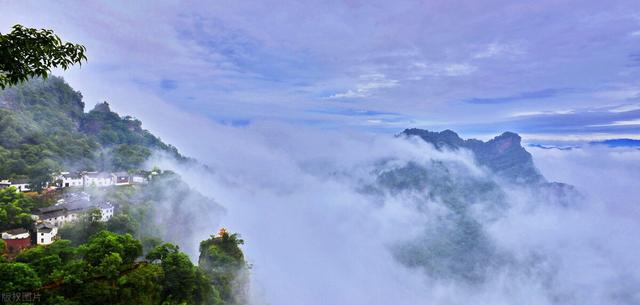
100 179
84 179
21 185
70 208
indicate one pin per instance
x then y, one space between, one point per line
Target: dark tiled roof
105 205
99 175
72 176
75 195
17 231
53 214
77 203
43 227
50 209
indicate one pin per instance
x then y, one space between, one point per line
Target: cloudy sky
292 102
549 69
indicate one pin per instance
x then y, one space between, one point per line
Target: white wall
47 238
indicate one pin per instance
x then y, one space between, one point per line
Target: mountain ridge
44 128
504 154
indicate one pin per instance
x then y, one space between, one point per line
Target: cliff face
503 154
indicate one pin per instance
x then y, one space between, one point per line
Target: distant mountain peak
624 142
506 141
509 135
503 154
446 138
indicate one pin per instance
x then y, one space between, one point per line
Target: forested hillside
43 129
114 268
125 259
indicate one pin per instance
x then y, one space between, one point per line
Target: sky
550 69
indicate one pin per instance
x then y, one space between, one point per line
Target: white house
21 185
99 179
139 178
57 215
70 180
16 239
73 197
15 234
122 178
71 208
106 210
46 233
5 184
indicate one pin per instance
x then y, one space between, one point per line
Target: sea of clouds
313 236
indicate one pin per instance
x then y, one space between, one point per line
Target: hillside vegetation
43 129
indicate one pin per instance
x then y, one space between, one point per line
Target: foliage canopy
27 52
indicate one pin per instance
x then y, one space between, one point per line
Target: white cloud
313 238
497 49
586 137
368 84
421 69
618 93
625 108
458 69
608 174
546 112
620 123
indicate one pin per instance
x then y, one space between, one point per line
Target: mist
608 175
316 233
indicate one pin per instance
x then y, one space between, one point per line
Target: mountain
121 260
504 154
455 245
43 128
547 146
618 143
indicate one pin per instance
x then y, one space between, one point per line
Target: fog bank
316 233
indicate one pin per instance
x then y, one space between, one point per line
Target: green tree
103 244
182 281
40 174
18 277
108 270
15 209
129 157
222 260
81 231
122 223
141 286
50 261
27 52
